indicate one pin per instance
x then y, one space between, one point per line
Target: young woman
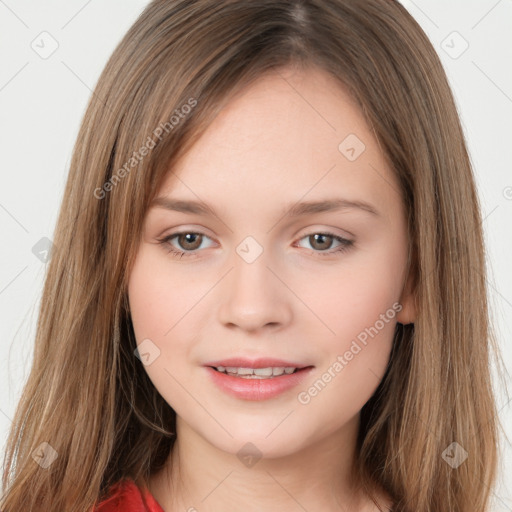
268 289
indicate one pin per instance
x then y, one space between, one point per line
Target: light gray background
43 98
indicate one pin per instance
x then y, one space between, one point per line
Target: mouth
258 381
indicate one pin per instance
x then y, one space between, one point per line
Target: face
262 275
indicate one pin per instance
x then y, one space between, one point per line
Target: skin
275 143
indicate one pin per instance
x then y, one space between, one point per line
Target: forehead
288 135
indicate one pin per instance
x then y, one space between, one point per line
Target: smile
256 373
246 384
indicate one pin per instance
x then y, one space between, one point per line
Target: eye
188 240
323 241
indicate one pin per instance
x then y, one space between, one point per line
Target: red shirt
125 496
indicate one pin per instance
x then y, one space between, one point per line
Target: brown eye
321 241
189 241
185 244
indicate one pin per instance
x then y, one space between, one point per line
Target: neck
201 476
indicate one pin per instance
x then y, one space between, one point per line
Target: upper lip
263 362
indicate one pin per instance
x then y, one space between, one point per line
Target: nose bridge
252 296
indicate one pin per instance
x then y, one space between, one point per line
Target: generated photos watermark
151 141
305 397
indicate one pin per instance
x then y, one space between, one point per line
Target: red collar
125 496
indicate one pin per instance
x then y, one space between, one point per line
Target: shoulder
125 496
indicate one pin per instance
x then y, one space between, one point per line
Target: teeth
263 372
256 373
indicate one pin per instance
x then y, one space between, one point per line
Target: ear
407 314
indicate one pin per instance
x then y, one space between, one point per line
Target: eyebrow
295 210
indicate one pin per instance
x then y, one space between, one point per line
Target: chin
265 442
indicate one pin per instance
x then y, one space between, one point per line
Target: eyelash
345 244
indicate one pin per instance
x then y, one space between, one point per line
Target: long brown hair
89 398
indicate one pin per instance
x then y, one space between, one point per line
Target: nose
253 296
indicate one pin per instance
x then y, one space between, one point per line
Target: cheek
366 301
358 301
159 304
158 297
364 335
352 296
361 308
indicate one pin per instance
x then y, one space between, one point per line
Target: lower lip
257 389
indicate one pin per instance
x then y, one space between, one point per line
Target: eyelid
188 228
311 230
